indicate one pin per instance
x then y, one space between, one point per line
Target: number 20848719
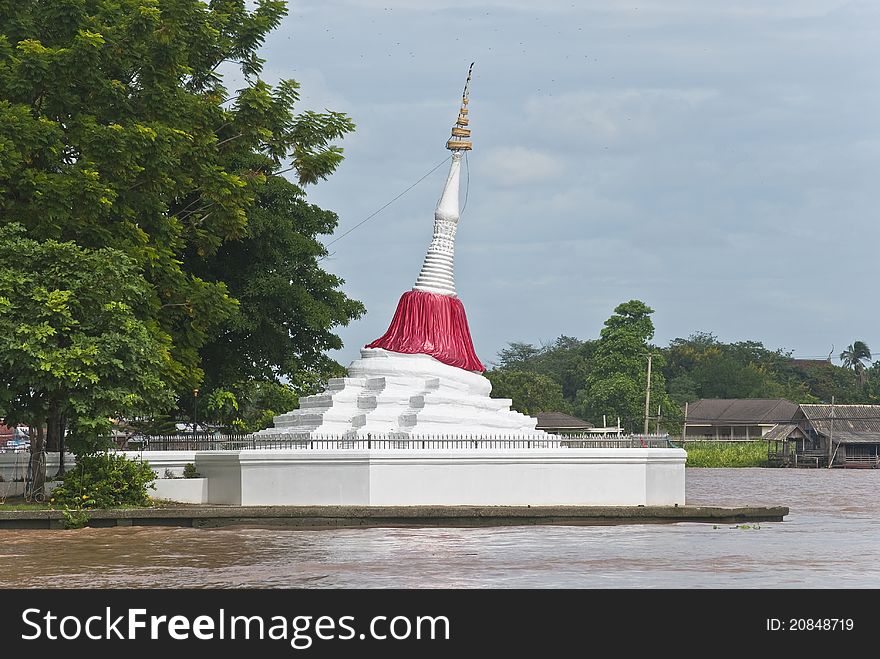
810 624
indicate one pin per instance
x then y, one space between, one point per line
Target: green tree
682 389
259 402
116 130
73 347
288 304
854 357
518 356
703 367
222 407
530 393
566 361
617 381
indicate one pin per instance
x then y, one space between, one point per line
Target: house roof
782 431
858 437
560 421
848 419
741 411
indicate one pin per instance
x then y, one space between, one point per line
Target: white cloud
612 116
518 165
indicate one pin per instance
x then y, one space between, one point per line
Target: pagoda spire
437 273
430 319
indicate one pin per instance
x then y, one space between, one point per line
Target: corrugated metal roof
858 437
847 418
741 411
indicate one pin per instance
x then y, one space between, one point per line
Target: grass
18 503
726 454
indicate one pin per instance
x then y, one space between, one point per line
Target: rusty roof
733 411
847 418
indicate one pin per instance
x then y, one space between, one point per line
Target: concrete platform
323 517
486 477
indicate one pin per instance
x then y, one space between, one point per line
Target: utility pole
195 411
684 427
648 393
831 450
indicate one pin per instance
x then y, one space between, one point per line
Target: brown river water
830 539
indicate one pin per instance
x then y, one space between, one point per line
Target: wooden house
819 435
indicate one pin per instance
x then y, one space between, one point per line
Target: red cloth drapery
431 324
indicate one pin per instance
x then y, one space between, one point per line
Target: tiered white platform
389 392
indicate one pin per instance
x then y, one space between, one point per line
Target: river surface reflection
831 539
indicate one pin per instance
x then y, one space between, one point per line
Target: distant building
842 435
736 418
558 423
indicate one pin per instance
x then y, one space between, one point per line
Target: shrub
189 471
105 480
726 454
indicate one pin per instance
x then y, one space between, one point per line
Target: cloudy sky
717 160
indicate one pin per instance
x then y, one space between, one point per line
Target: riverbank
318 517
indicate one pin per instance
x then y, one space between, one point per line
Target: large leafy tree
116 130
617 381
288 304
701 366
73 346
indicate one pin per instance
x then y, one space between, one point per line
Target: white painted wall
183 490
173 461
13 466
587 477
597 477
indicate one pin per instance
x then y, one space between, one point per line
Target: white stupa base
507 477
409 395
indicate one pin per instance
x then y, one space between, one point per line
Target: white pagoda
422 377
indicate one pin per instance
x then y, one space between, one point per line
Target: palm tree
853 357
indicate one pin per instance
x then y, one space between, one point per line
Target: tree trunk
53 427
62 427
38 463
55 433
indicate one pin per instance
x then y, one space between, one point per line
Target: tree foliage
703 367
608 376
617 383
71 337
854 357
288 304
250 405
529 392
117 130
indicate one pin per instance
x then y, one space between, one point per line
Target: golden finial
460 129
